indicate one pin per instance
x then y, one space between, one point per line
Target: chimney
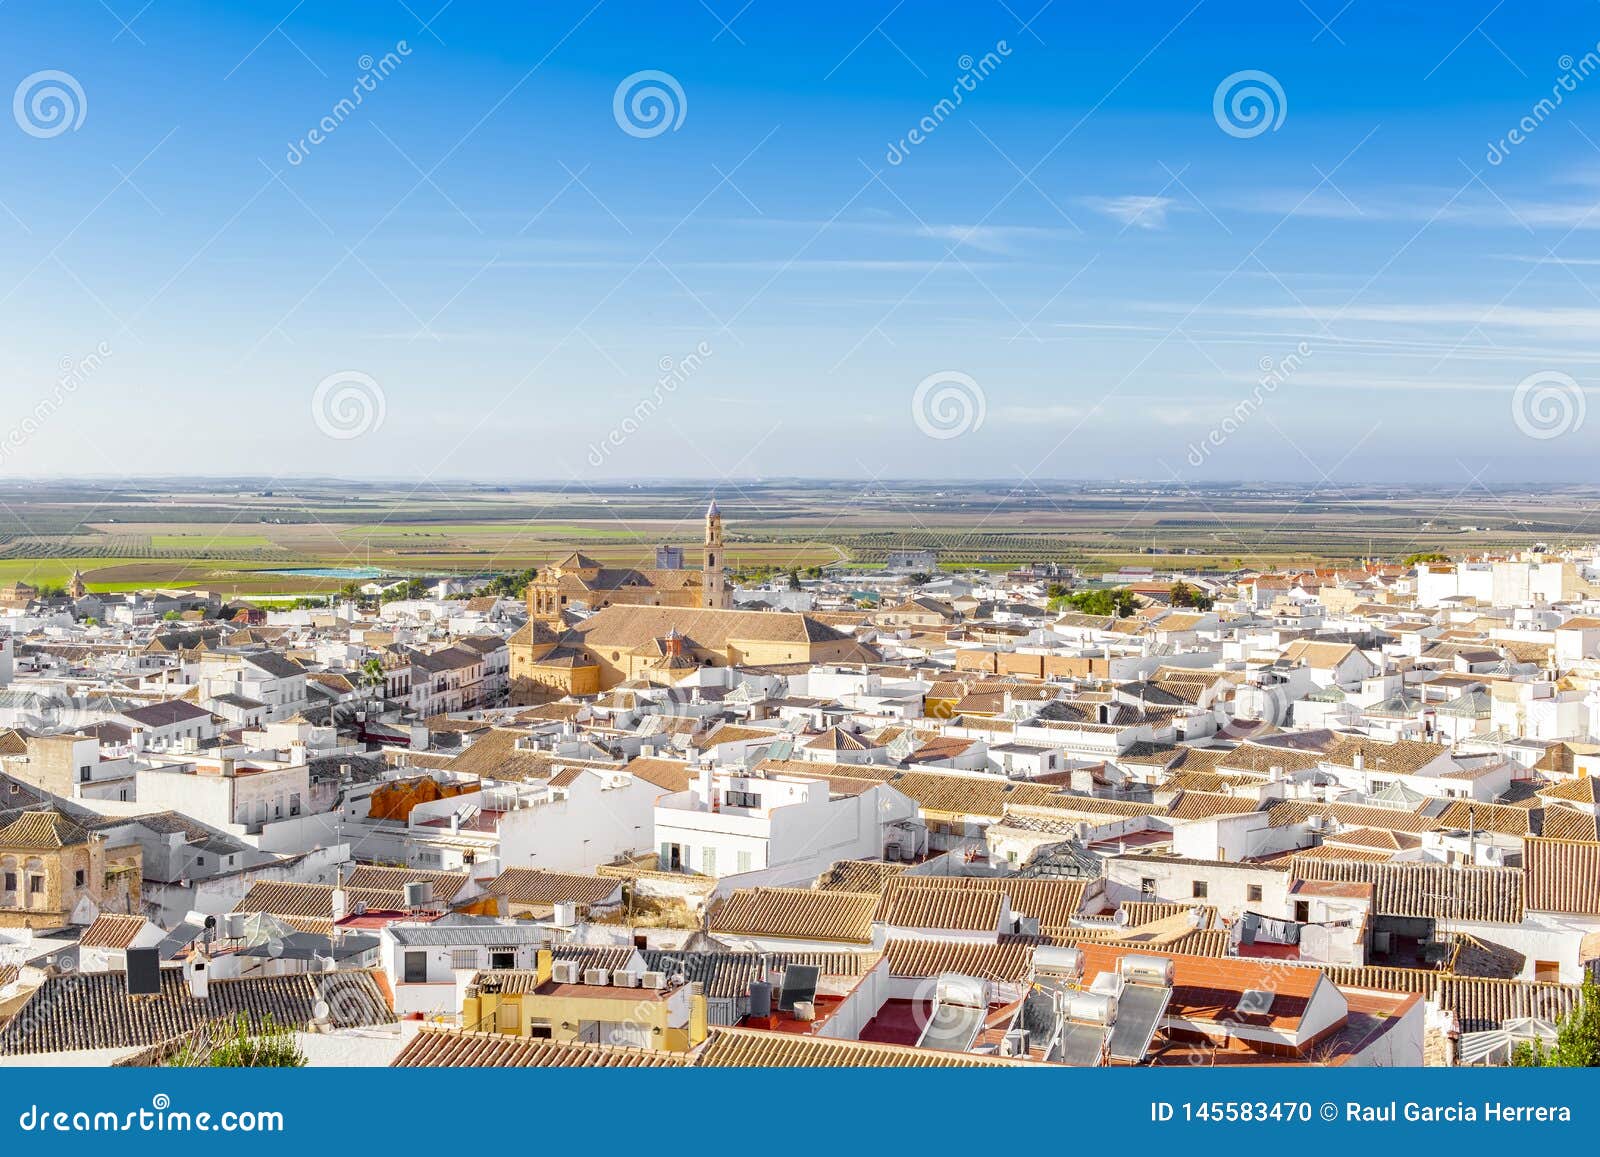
228 770
1360 761
195 972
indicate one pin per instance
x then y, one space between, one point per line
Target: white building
730 823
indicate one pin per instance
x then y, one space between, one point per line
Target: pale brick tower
713 587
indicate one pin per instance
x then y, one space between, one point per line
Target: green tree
1105 601
1184 595
373 676
1577 1037
1425 556
235 1046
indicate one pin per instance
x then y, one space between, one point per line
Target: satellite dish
320 1010
1121 919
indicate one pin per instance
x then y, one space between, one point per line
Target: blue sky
1080 238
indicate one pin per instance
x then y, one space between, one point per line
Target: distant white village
900 816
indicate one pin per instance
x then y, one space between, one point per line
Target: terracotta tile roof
495 755
42 831
1009 962
1568 823
1507 821
313 901
112 931
1583 789
540 887
942 909
1482 1005
1148 911
450 1048
1375 839
1053 903
445 884
857 876
1422 981
667 774
1294 811
620 625
1402 757
1562 876
1429 891
92 1010
794 914
967 794
752 1048
1336 852
1199 805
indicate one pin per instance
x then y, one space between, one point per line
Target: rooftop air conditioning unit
564 972
1015 1043
625 978
656 980
597 976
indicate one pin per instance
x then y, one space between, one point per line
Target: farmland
229 535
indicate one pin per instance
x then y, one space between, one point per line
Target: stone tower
713 587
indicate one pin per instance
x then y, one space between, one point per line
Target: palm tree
373 676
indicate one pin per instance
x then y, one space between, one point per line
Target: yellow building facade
532 1005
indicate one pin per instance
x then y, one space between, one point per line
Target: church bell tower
713 587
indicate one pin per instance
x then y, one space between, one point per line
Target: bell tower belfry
713 586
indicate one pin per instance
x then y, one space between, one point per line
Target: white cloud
1003 239
1139 212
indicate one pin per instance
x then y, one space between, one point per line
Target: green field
201 540
222 535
